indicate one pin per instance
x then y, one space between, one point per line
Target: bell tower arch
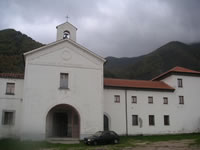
66 30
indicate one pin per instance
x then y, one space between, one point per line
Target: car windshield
98 133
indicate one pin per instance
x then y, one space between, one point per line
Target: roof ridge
138 84
12 75
130 80
176 69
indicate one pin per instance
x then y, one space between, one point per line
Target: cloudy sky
121 28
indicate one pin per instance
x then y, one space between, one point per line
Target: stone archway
63 121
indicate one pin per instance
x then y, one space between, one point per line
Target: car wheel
95 142
116 141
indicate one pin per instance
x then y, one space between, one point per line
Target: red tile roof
179 70
138 84
124 83
12 75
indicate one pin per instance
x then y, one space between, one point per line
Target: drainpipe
126 113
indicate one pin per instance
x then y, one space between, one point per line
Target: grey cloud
108 27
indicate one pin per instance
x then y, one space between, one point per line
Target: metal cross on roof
67 17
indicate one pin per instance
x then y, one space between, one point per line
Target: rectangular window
10 88
8 117
117 99
181 100
151 120
166 120
134 120
150 100
165 100
64 80
134 99
180 83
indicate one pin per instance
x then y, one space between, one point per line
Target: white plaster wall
183 118
66 26
12 103
42 79
115 111
143 109
188 114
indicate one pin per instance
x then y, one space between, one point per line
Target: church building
63 93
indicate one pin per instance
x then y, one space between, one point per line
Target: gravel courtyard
157 142
166 145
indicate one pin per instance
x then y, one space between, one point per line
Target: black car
102 137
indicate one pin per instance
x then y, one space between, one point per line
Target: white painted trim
64 65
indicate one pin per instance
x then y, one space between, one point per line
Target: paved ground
167 145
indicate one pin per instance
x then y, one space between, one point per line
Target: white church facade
63 93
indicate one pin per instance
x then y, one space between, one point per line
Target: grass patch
14 144
125 141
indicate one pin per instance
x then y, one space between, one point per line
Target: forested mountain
13 44
160 60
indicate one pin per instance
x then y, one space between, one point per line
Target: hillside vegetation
160 60
13 44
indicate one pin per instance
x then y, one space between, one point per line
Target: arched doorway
63 121
106 123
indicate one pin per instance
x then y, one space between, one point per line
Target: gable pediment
64 54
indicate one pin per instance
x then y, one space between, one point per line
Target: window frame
166 122
136 121
8 123
10 91
181 100
117 98
149 99
165 100
134 100
180 82
62 81
151 123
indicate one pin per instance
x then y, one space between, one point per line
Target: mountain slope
164 58
12 45
114 66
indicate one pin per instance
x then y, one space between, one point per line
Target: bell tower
66 30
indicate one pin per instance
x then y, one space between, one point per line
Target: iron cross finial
67 17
